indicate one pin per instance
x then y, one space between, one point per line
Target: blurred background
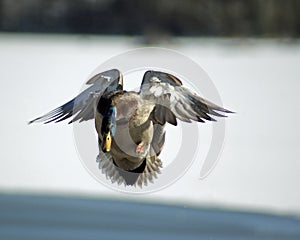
157 19
250 50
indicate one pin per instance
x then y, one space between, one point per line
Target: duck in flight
130 125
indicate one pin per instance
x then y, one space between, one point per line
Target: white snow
259 79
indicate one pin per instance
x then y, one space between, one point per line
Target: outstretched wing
82 106
172 100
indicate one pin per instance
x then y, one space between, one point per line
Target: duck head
108 128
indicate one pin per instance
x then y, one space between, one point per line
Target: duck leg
139 147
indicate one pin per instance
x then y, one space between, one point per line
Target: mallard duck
130 125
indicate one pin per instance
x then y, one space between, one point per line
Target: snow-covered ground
259 79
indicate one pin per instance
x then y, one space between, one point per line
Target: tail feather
140 177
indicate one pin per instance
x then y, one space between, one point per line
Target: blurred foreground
43 217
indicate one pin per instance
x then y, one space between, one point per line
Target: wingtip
229 112
224 110
212 119
33 121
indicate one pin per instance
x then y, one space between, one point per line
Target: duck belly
126 141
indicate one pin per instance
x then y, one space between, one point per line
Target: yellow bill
106 144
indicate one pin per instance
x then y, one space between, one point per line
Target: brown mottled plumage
130 125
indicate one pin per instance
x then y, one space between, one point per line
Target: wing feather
166 90
82 106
